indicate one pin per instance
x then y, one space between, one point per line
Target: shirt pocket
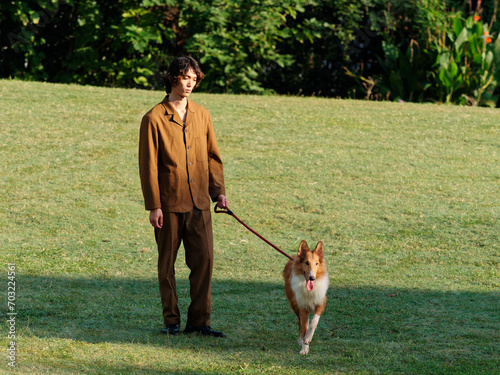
201 150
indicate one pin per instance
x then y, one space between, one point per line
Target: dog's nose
312 278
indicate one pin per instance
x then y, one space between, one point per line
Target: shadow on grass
377 328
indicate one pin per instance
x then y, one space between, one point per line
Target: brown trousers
194 229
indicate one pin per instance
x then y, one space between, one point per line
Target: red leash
229 212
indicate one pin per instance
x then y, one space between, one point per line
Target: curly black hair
178 68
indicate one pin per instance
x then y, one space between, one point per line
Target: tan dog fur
307 268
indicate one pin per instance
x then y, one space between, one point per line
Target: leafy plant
239 39
233 40
404 72
411 50
468 65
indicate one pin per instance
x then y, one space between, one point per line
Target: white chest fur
308 300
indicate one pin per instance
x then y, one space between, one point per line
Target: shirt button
186 130
191 180
189 147
190 163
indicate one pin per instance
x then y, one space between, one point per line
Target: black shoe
205 331
171 329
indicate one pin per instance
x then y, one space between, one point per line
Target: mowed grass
404 196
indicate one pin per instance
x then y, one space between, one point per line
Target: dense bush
411 50
428 50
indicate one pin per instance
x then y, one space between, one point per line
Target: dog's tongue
310 285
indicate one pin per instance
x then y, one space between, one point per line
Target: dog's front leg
303 329
309 335
305 349
311 329
303 325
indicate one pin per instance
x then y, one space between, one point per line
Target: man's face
186 84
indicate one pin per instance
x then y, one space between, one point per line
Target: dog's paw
301 342
305 349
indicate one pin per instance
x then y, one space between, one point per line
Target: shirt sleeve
215 169
148 163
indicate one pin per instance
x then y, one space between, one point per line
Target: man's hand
156 218
222 202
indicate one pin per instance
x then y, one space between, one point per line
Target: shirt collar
173 115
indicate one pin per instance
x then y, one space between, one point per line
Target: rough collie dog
306 283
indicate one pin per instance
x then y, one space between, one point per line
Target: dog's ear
319 249
303 249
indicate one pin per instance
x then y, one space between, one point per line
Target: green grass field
404 196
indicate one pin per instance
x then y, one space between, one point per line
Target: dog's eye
307 263
317 263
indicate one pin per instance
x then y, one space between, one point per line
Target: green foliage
237 54
468 65
124 43
233 40
438 57
404 58
320 44
410 50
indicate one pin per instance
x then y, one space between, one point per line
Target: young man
181 173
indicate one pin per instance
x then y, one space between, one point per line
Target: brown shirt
179 165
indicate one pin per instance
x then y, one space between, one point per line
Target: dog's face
309 263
